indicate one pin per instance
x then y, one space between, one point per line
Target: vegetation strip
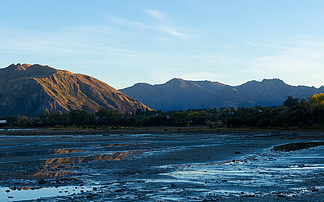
294 113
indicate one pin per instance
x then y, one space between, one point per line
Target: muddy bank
87 165
156 130
135 130
297 146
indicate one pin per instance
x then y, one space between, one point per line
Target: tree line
292 113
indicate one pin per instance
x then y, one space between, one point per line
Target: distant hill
178 94
30 89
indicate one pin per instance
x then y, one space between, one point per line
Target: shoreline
158 130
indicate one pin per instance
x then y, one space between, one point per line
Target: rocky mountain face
178 94
30 89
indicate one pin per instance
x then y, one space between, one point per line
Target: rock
248 195
41 181
118 190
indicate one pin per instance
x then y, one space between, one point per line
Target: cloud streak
160 27
120 21
156 14
173 32
73 41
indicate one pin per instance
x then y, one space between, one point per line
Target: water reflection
65 151
58 167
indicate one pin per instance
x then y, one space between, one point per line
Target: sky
126 42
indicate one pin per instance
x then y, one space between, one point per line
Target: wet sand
170 165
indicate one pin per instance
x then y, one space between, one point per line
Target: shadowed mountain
30 89
178 94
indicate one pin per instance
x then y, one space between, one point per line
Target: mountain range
29 90
178 94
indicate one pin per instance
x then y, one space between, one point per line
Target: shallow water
268 173
33 193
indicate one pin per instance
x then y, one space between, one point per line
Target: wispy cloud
173 32
77 41
156 14
121 21
160 27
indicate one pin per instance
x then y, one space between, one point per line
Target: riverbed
166 167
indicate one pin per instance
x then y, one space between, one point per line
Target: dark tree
291 102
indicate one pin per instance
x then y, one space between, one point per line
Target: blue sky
126 42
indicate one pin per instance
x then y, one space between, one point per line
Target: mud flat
169 166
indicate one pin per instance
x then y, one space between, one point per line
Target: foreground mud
168 167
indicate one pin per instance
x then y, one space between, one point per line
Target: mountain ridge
31 89
186 94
